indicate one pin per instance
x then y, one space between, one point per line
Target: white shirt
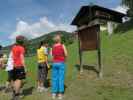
9 63
45 50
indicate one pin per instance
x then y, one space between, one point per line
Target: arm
23 61
22 57
65 51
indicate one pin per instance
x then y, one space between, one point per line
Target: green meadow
117 81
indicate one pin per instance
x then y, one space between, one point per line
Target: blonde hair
57 38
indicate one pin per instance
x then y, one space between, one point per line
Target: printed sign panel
88 38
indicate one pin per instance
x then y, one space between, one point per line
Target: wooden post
99 52
80 56
81 62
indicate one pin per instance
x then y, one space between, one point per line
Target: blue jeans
58 75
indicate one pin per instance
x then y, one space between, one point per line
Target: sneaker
44 89
15 97
53 96
7 90
21 96
60 96
39 89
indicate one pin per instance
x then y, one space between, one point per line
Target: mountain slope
67 38
32 45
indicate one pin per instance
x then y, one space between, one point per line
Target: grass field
117 81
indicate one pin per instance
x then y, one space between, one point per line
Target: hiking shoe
60 96
44 89
15 97
53 96
9 89
38 89
21 96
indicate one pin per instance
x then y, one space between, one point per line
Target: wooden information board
88 22
88 38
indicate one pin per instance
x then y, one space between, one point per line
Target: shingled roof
91 12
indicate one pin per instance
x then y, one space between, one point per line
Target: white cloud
122 9
43 26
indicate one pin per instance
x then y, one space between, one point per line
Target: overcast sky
37 17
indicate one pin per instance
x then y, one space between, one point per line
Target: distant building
103 28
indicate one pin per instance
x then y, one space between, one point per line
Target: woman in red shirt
18 52
59 54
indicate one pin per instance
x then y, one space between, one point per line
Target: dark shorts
19 73
10 75
42 72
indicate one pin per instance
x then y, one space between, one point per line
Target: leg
40 75
10 77
10 82
61 80
17 86
16 89
40 79
45 71
38 84
19 74
54 78
61 77
7 84
43 78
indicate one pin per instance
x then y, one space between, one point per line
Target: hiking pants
58 75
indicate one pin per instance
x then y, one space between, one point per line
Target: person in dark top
1 58
1 53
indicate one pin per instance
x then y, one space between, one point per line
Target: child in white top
9 66
9 69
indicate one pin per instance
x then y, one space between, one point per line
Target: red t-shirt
58 53
17 52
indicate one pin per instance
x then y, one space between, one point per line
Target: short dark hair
1 54
20 40
42 43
